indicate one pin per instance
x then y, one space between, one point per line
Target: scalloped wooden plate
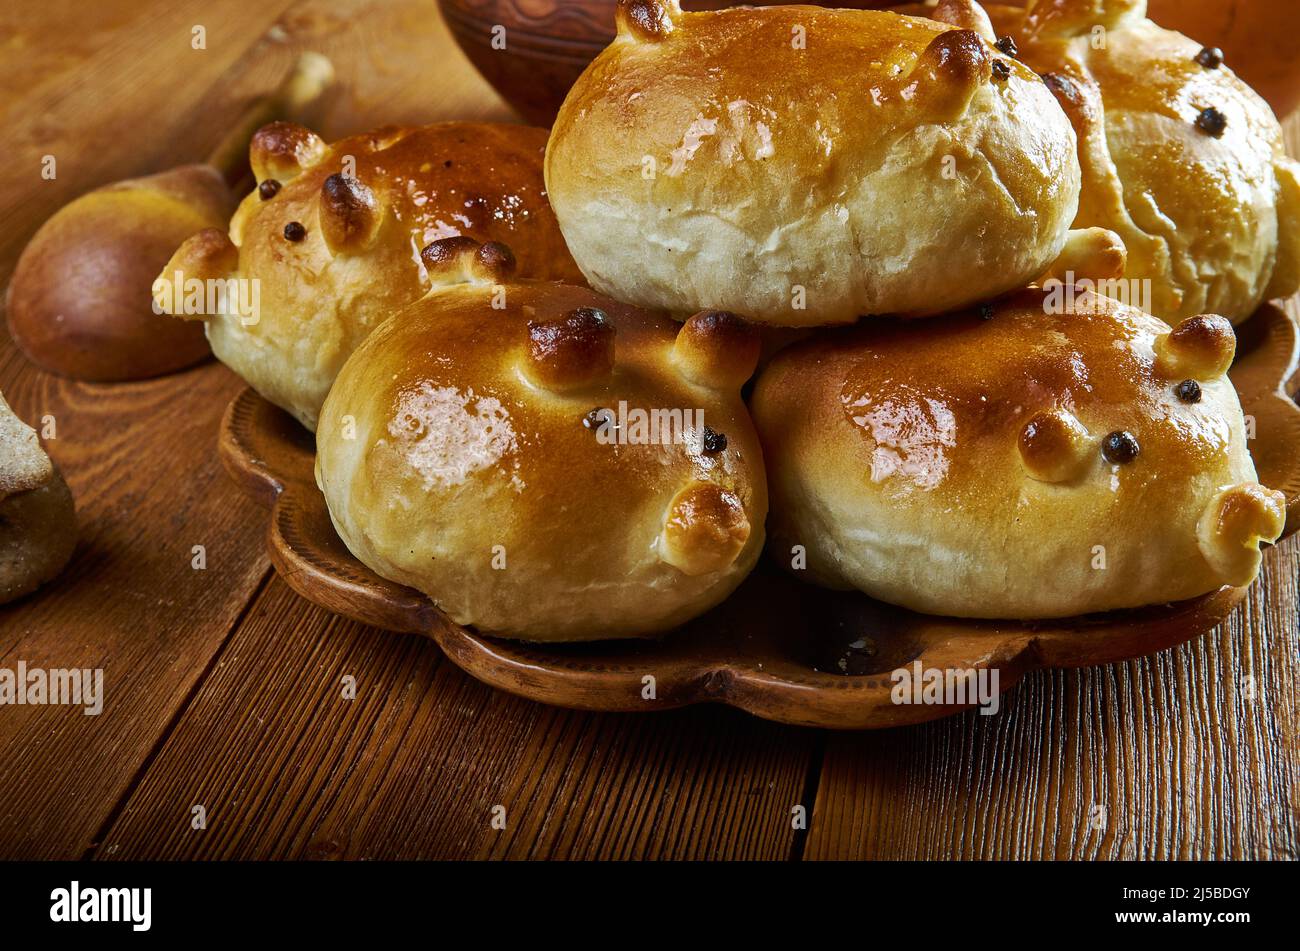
776 648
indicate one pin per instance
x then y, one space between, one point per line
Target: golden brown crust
885 148
718 349
349 214
335 233
1035 460
1180 158
439 443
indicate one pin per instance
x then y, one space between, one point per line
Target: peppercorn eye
595 418
1189 391
1212 122
1120 447
714 442
268 189
294 231
1211 57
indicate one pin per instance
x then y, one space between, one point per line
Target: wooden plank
148 489
96 86
1173 749
286 767
114 90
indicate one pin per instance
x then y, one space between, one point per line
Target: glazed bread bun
804 166
490 447
331 242
1180 157
1028 460
38 525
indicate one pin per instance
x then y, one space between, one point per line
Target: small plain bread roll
505 461
1028 460
804 166
1180 158
330 241
38 525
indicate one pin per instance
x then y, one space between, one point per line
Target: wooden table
223 689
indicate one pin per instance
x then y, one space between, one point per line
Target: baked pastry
804 166
1030 459
79 301
1180 157
546 463
38 525
330 242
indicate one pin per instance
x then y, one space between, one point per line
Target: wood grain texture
285 767
1183 763
223 688
95 86
130 602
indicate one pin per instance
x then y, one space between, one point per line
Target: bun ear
965 15
207 255
717 349
948 72
282 150
462 260
349 214
1200 348
571 353
647 21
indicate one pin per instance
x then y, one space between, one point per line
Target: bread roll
79 301
1035 459
38 525
804 166
495 449
330 242
1180 157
